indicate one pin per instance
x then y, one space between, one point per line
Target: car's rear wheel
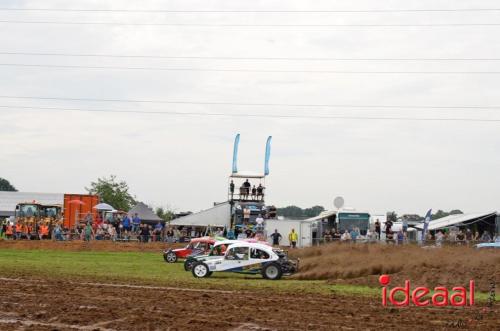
200 270
272 271
170 257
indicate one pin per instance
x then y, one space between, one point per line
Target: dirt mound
95 245
362 264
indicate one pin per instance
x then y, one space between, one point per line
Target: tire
170 257
188 265
200 270
272 271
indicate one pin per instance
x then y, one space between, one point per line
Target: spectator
400 237
89 218
58 233
231 189
144 233
276 236
88 232
43 231
460 236
439 238
469 236
260 192
247 187
336 236
486 237
405 224
136 223
126 225
99 234
112 233
230 234
354 234
260 223
377 229
248 232
345 236
293 237
246 215
388 226
157 231
242 192
254 193
327 236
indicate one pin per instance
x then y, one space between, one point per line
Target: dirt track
46 305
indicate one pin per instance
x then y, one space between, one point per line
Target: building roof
9 200
144 212
455 220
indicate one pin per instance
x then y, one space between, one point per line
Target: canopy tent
455 220
247 174
218 215
103 207
322 215
145 213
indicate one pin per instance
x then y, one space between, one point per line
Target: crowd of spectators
247 191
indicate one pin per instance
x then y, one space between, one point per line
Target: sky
182 161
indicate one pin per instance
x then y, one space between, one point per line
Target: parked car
197 246
248 258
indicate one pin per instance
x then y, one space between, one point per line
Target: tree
113 192
440 213
6 186
392 216
297 212
165 214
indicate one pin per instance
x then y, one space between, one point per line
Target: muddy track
45 304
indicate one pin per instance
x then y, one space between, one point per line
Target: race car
197 246
217 250
248 258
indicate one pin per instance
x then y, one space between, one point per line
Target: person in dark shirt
276 236
247 187
377 228
231 189
144 233
254 192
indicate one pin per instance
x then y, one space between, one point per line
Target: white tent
219 215
454 220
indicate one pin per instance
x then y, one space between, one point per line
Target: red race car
197 246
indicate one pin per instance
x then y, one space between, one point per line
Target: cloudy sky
183 160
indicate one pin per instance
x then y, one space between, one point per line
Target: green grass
149 268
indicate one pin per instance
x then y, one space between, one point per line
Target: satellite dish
338 202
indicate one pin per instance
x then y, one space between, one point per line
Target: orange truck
77 206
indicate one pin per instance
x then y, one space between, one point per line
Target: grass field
149 268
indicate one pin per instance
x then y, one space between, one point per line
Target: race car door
236 259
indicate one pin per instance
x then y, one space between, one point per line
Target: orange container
76 207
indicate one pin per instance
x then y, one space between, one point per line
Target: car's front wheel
188 265
170 257
272 271
200 270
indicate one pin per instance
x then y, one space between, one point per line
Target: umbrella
103 206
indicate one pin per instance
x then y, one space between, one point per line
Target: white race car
248 258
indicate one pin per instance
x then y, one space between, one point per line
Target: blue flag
268 155
235 153
427 220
